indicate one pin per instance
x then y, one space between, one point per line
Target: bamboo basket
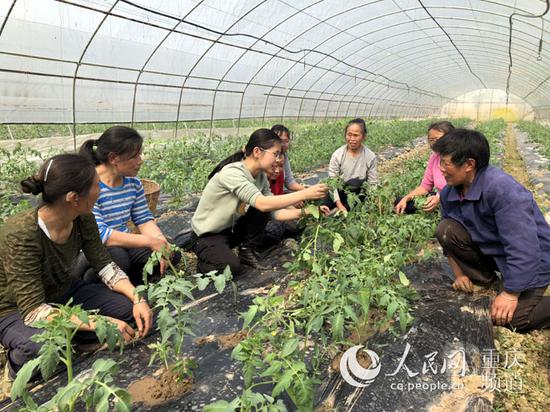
152 193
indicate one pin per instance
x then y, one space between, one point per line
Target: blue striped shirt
117 205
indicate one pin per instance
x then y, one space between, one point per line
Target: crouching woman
236 203
38 248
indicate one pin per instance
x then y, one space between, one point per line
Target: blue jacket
504 220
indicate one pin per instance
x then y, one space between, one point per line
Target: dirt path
514 165
524 388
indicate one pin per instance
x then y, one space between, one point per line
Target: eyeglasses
277 155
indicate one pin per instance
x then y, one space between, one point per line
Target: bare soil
227 341
156 390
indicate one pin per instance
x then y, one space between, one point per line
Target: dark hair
464 144
60 175
120 140
262 138
360 122
442 126
280 129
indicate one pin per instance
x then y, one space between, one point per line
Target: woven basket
152 192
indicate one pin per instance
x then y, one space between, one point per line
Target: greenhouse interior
266 205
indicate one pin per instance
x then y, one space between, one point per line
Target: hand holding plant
431 203
318 191
143 316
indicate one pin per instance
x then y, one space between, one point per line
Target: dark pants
131 261
214 250
15 335
533 310
343 194
276 231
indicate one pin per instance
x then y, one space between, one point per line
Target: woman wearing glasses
236 204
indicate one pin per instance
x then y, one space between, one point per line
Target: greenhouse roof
88 61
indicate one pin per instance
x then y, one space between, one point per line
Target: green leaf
351 313
220 406
272 370
289 347
219 283
67 396
105 365
338 326
238 353
202 283
392 307
227 273
123 403
23 376
313 210
337 242
316 268
103 404
364 298
49 358
403 279
283 383
316 323
249 316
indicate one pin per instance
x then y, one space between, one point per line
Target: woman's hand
128 334
431 203
503 308
143 316
157 243
318 191
325 210
402 205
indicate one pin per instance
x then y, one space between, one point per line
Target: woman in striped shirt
117 155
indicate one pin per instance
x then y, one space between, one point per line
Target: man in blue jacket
492 223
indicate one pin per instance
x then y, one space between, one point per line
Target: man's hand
463 284
503 308
432 203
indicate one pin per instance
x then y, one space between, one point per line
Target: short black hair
464 144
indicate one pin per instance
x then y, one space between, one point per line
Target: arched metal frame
377 82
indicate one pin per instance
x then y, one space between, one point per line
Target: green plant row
182 167
95 389
35 131
494 131
538 134
346 277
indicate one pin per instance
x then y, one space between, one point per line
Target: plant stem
68 356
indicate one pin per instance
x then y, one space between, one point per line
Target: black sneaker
250 257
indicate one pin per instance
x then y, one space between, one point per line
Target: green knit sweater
35 270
